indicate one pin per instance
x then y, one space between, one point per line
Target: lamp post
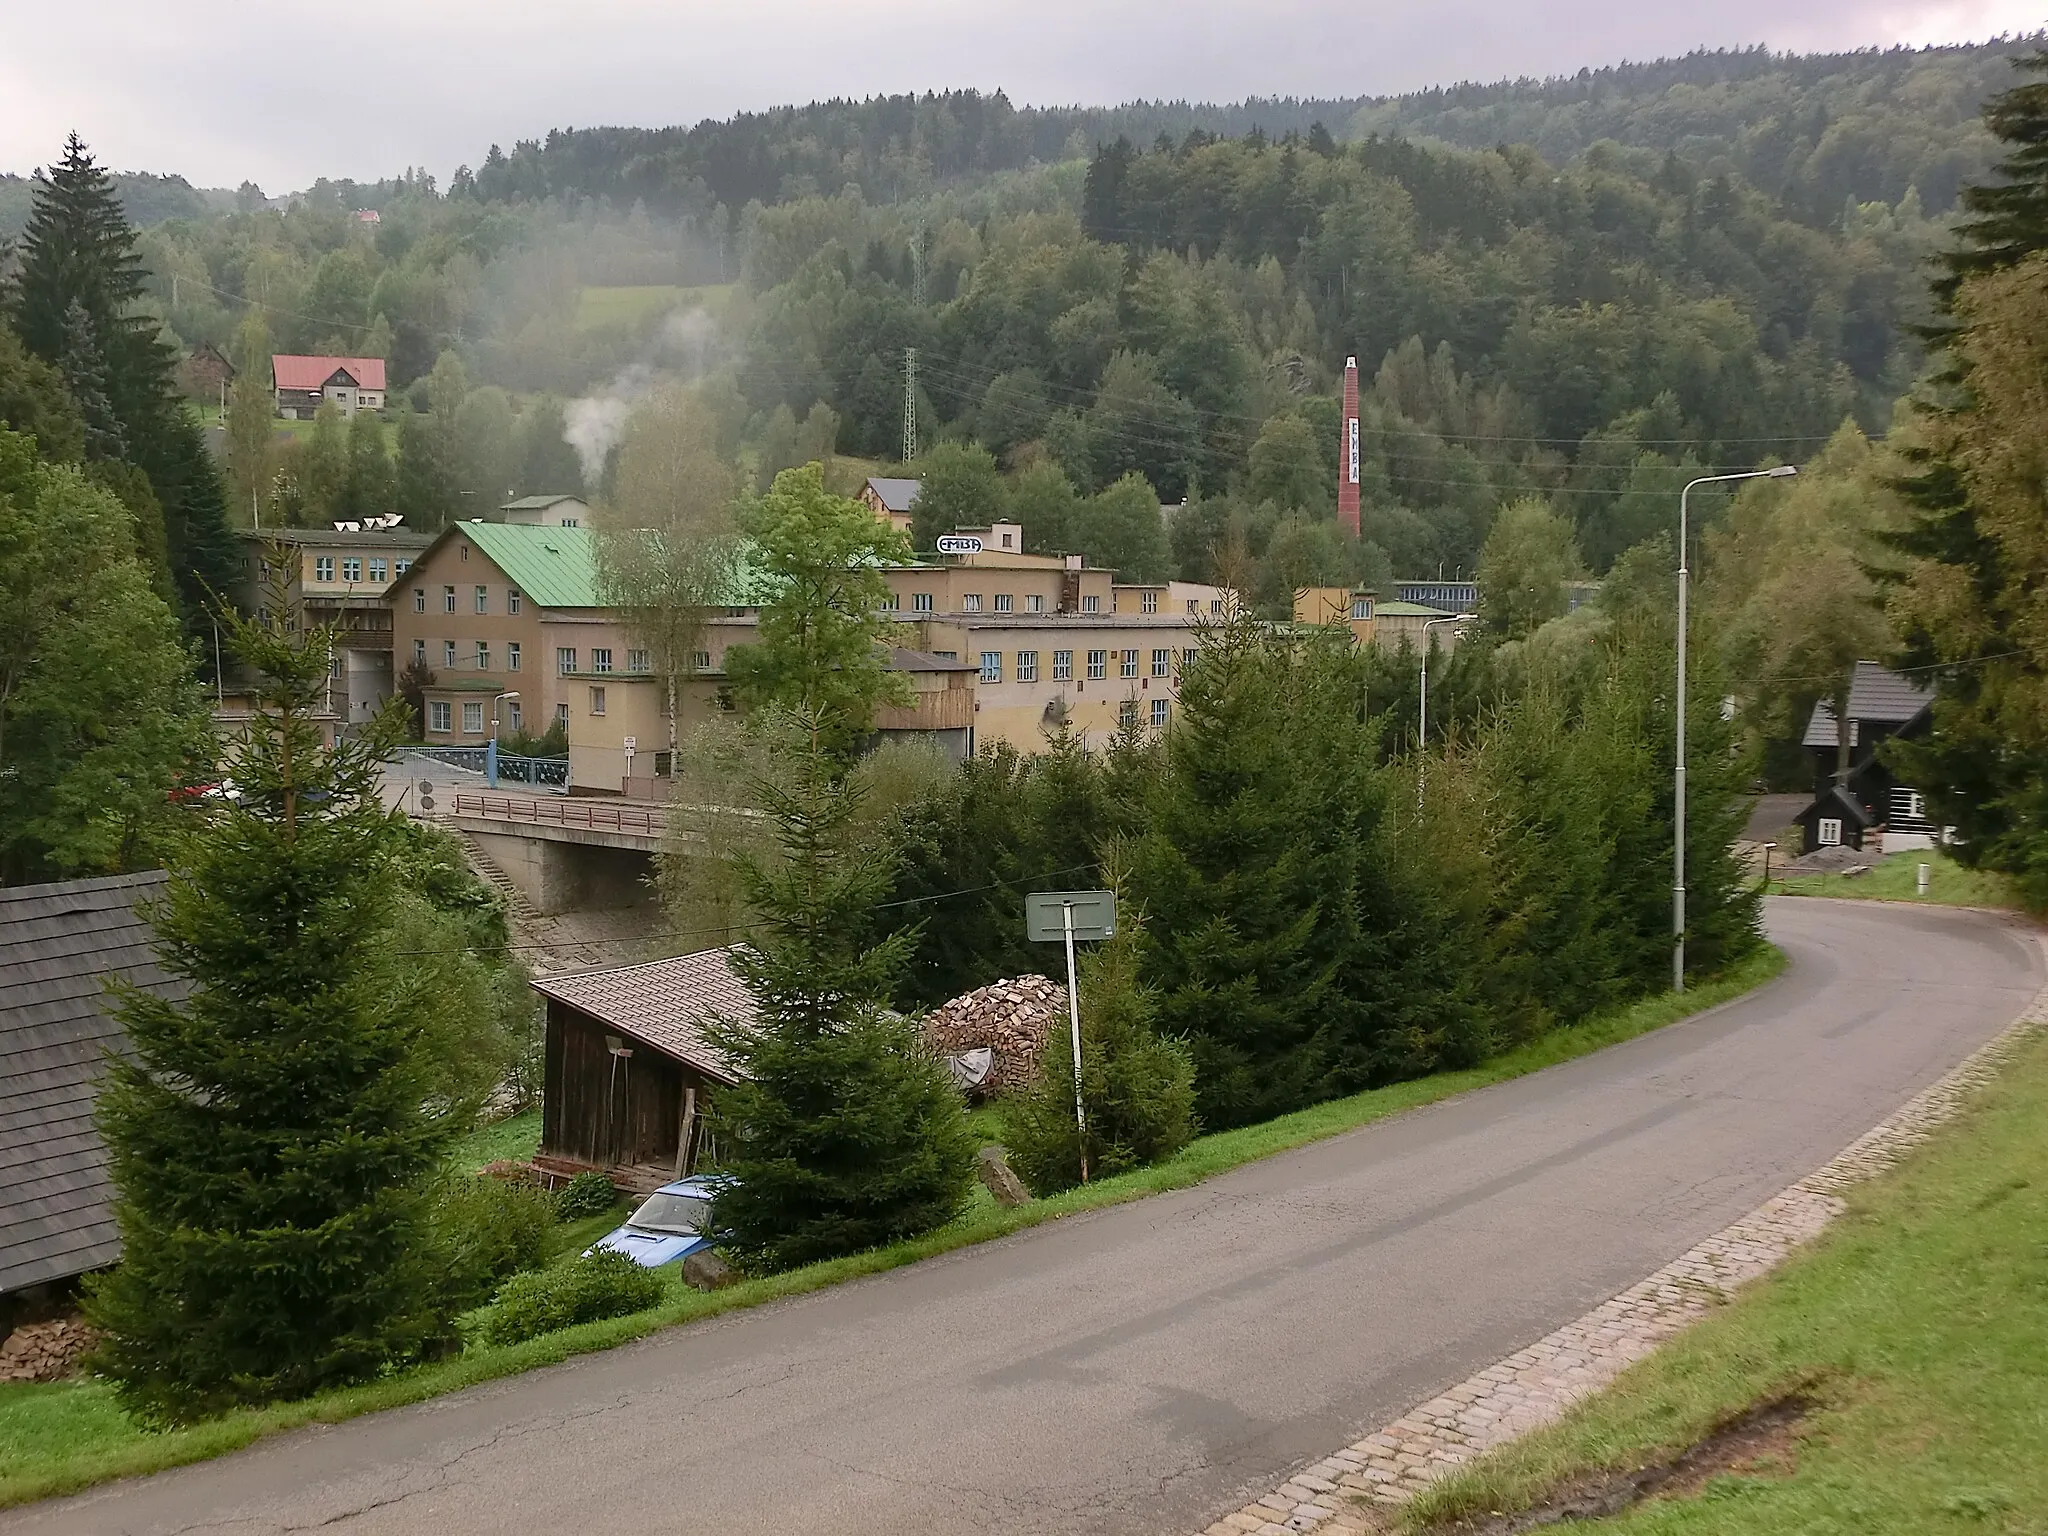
1422 700
1678 756
491 752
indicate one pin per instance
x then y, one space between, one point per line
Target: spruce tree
1137 1086
845 1134
2006 221
270 1136
79 251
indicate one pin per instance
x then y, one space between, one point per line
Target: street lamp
1678 756
491 752
1422 700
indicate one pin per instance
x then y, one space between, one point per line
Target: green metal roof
554 567
557 567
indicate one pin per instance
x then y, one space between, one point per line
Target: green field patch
633 305
1895 877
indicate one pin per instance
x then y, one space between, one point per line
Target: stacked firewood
1011 1018
45 1351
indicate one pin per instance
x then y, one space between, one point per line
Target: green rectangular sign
1045 915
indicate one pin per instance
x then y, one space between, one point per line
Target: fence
596 815
550 773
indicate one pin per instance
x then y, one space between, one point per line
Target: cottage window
473 718
1162 663
379 568
323 567
565 660
1063 666
352 569
511 655
601 658
440 716
512 599
991 666
1148 602
597 701
1027 666
1829 832
636 661
1128 664
1159 708
1098 665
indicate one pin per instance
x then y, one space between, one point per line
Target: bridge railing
594 815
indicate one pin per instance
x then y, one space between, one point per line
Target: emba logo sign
958 544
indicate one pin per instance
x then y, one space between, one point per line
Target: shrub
588 1194
488 1229
597 1285
1139 1087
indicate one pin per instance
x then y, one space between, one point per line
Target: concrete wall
571 877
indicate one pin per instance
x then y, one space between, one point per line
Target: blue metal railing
551 773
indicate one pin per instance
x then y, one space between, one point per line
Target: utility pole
910 353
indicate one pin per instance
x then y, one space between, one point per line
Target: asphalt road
1140 1370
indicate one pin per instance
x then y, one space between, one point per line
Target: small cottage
1867 797
304 384
630 1067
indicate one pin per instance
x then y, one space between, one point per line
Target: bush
487 1230
598 1285
1139 1088
588 1194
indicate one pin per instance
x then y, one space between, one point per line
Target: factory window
1063 666
1027 666
1098 665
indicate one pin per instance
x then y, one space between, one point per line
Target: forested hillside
1584 289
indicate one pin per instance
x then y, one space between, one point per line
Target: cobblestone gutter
1534 1386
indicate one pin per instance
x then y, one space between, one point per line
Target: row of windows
1006 602
601 660
352 568
441 714
479 656
1063 664
480 599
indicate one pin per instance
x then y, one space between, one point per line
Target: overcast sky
282 93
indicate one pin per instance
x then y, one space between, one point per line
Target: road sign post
1063 917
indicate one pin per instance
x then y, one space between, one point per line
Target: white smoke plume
680 352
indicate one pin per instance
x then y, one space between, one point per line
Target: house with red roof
303 384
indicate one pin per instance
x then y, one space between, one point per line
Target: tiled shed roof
663 1003
58 946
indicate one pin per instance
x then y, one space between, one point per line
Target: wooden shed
629 1069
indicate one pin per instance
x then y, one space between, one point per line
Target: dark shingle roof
896 493
665 1003
1877 694
58 946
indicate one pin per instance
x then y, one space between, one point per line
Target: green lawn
515 1139
56 1439
1920 1323
1894 879
633 306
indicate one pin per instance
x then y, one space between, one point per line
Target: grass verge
1917 1322
1895 878
59 1438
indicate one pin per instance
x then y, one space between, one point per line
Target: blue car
668 1226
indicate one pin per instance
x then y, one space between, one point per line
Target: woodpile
1012 1018
45 1351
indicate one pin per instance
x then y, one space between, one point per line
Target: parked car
668 1226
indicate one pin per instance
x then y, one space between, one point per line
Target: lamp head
1779 472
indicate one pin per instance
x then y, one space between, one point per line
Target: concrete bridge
564 854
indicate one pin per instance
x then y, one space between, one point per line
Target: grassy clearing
516 1138
57 1439
634 305
1918 1320
1894 879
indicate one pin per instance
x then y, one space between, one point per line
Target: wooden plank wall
595 1112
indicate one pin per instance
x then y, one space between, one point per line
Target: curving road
1142 1369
